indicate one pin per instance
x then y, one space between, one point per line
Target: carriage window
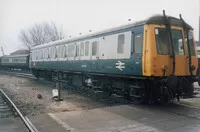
71 50
63 51
162 41
66 50
138 42
120 46
82 49
41 54
46 53
51 53
87 48
55 52
77 50
36 54
59 52
94 48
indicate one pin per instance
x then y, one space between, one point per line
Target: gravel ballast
34 97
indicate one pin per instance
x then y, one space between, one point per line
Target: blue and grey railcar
15 62
140 59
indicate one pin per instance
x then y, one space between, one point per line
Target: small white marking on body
83 65
64 125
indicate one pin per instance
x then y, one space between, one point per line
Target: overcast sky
76 16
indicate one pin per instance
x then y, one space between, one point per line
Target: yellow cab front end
169 54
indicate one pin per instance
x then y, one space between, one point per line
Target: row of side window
14 60
63 51
74 50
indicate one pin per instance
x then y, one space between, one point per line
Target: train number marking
83 65
120 65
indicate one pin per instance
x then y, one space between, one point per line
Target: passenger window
46 54
36 55
73 50
63 51
59 52
94 48
43 51
66 50
69 50
51 52
121 41
138 42
56 53
82 49
87 48
41 54
77 50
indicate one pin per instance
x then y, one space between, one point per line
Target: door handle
140 57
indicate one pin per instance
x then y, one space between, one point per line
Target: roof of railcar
157 19
11 56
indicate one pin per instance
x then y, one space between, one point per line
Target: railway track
9 110
18 74
5 109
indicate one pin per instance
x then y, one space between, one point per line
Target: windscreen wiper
168 27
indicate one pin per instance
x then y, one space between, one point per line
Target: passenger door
136 52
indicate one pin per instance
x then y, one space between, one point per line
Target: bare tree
40 34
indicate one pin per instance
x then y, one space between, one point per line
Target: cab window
162 41
177 40
191 43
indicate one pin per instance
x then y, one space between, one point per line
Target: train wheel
138 95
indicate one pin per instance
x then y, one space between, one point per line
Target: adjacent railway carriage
155 58
15 62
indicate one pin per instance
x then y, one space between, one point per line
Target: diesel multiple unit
151 59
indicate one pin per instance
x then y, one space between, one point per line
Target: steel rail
27 124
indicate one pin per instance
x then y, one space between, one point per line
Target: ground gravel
24 93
